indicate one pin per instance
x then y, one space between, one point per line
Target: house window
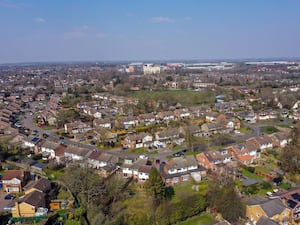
185 177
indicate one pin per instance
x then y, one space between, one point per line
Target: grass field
200 220
248 174
184 97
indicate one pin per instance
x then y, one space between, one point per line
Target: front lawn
248 174
200 220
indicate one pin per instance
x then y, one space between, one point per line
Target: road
162 153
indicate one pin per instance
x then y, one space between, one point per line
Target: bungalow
274 209
74 153
77 127
138 140
14 180
171 135
181 169
212 159
42 185
147 119
126 122
31 205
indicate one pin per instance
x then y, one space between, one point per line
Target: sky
137 30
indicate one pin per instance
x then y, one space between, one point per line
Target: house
211 117
14 180
74 153
211 160
241 153
147 119
42 185
31 205
291 198
48 148
60 153
193 130
165 116
212 128
106 123
266 221
171 135
105 136
280 139
274 209
264 142
181 169
126 122
182 113
77 127
99 159
138 140
139 168
253 147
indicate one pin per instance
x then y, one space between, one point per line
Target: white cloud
39 20
161 19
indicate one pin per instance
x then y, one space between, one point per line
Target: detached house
14 180
181 169
49 147
31 205
212 128
264 142
138 140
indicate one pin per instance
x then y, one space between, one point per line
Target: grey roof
270 206
50 145
266 221
35 198
249 182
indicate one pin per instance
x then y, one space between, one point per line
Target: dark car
178 154
9 197
45 135
92 142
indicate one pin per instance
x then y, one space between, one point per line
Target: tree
155 185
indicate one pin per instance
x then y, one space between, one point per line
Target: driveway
4 202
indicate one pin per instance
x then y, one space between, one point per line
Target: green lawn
201 220
269 129
248 174
245 130
285 186
53 174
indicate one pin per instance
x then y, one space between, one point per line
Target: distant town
150 143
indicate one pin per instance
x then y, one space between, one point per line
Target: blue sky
57 30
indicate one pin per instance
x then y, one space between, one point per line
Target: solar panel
291 204
296 196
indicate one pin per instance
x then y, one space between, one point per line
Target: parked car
92 142
178 154
9 197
